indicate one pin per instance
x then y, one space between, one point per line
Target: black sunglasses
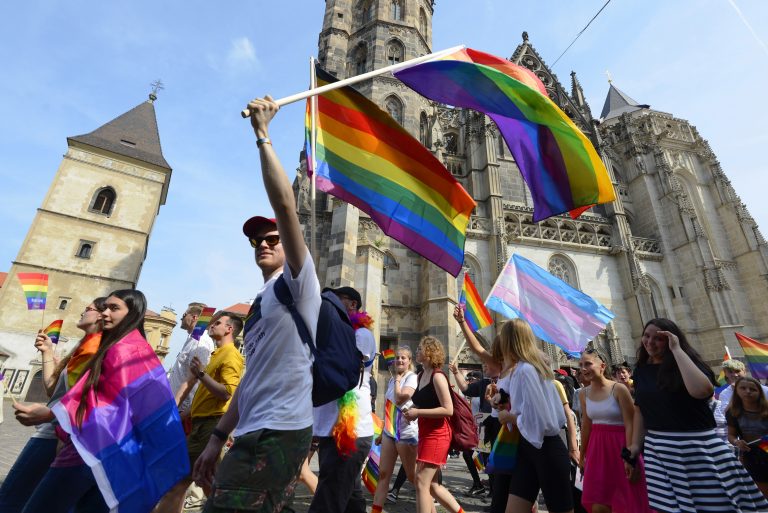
271 240
596 353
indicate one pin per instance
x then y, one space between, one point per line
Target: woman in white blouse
400 388
535 408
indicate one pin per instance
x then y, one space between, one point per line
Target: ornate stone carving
646 245
715 279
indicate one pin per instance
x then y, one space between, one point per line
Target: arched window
85 249
564 269
451 142
390 264
396 10
361 59
395 52
103 201
423 23
394 107
63 304
502 146
424 129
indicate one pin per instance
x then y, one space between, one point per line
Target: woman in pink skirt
606 429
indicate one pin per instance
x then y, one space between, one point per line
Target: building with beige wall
90 234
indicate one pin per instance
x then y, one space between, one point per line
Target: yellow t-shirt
560 391
226 367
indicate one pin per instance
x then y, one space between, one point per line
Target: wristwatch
200 374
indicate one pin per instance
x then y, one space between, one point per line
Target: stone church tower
677 242
91 233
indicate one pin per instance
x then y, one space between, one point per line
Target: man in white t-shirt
339 488
178 376
270 414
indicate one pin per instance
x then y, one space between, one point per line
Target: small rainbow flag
370 473
756 354
54 330
35 286
392 420
389 356
479 465
476 314
558 162
202 322
762 443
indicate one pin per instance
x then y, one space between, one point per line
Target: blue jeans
29 468
65 489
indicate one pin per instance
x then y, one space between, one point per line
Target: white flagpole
728 352
313 162
359 78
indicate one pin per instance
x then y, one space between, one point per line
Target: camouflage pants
259 472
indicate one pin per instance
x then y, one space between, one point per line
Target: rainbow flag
558 163
476 314
392 420
202 323
367 159
35 287
370 475
756 354
81 356
557 312
54 331
479 465
389 356
131 434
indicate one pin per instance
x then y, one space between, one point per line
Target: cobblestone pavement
13 437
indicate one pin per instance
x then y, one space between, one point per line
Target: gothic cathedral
90 235
678 242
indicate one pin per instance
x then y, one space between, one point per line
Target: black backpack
338 365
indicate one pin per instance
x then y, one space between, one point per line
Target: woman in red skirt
432 406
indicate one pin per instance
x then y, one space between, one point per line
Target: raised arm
460 381
44 344
474 345
696 382
277 185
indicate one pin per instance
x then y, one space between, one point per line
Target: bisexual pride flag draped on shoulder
476 315
756 354
35 287
558 313
367 159
131 434
559 164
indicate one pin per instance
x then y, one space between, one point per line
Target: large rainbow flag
560 165
131 434
557 312
392 420
370 475
202 322
756 354
367 159
35 287
54 330
476 315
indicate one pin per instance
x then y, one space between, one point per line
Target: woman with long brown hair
747 419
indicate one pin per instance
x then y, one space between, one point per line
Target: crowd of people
591 438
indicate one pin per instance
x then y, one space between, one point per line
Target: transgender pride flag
558 313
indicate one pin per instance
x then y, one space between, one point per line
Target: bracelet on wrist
261 141
218 433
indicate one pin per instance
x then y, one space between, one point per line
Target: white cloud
242 54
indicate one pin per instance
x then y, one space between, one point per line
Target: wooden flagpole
359 78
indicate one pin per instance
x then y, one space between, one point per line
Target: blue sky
69 67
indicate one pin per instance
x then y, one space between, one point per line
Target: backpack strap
283 294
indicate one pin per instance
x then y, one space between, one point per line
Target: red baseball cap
561 371
254 225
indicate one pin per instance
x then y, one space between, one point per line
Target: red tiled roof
151 313
239 309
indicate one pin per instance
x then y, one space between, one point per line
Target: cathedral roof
617 103
3 276
133 134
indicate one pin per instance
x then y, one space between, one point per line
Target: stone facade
158 328
676 243
91 233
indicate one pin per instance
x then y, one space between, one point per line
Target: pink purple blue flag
558 313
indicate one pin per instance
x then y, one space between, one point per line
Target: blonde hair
406 349
518 342
733 365
432 351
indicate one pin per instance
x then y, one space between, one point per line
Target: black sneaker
476 491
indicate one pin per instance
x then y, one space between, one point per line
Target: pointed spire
577 93
617 103
133 134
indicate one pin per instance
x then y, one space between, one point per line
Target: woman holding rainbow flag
399 436
747 418
40 452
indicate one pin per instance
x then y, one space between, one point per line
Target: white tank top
606 411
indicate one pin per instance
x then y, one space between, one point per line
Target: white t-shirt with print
276 390
179 373
326 415
409 380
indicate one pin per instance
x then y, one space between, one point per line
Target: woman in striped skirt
688 467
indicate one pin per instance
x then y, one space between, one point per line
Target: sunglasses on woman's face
271 240
596 353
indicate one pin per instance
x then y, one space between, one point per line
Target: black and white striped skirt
697 472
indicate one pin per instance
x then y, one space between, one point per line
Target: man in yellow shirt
217 386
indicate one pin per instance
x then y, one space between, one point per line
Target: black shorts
548 469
